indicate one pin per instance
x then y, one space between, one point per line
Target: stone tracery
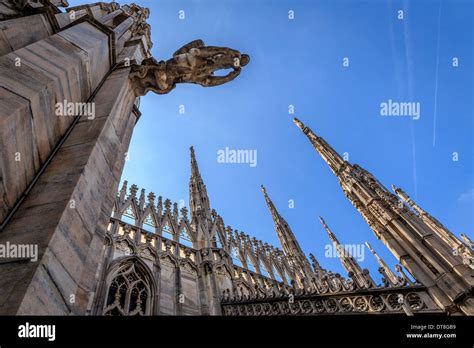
129 291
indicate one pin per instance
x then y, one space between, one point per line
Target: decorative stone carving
146 254
192 63
188 269
124 247
166 261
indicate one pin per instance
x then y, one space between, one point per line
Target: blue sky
300 62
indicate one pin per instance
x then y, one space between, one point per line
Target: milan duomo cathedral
106 253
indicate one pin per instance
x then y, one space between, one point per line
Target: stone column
66 212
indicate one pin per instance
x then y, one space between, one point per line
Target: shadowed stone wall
59 172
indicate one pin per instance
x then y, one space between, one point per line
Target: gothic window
129 292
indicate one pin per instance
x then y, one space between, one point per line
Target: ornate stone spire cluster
427 249
204 228
257 271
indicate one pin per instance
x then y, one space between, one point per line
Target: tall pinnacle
329 155
198 199
331 235
194 165
359 275
275 215
287 239
391 277
285 235
300 124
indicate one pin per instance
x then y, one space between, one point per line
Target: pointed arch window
130 291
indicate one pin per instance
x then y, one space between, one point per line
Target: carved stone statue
192 63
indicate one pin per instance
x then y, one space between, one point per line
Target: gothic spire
428 258
385 270
329 155
285 235
359 275
194 166
316 266
287 239
198 199
275 215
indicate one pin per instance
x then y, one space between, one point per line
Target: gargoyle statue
192 63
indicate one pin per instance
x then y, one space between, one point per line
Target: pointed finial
133 190
194 166
151 198
397 190
167 205
323 222
264 190
123 190
301 126
142 198
328 230
370 248
124 185
299 123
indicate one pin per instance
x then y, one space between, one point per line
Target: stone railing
408 300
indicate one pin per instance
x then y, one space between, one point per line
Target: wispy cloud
467 196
